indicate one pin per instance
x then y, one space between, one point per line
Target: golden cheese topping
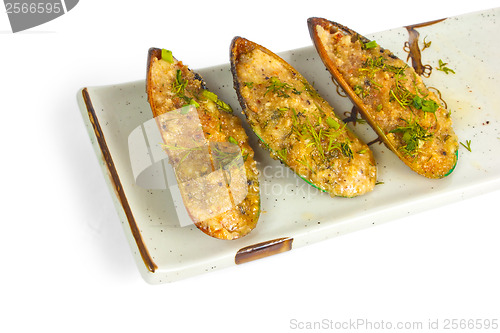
208 148
406 114
298 126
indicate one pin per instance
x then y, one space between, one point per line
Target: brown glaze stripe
425 24
414 50
148 261
262 250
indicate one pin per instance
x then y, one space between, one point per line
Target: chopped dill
187 150
282 153
179 88
413 134
280 88
309 89
442 67
375 64
305 163
467 145
179 84
345 148
325 140
406 98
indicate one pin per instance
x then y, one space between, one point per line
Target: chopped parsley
426 105
332 123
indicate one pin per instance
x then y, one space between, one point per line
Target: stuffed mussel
297 125
207 147
405 114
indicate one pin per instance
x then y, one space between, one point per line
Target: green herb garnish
232 140
310 90
442 67
282 153
370 67
370 45
402 95
345 148
225 159
177 148
332 123
426 44
314 136
360 91
375 64
193 102
467 145
426 105
325 140
179 88
406 98
214 98
179 84
305 163
280 88
167 56
210 95
413 134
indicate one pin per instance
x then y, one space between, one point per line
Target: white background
65 263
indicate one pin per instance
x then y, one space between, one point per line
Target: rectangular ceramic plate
293 213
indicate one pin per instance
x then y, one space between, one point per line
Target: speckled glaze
292 209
